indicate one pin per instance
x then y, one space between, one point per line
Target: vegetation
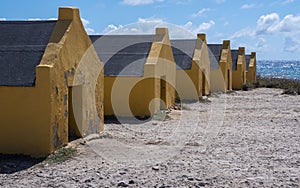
290 86
61 155
161 116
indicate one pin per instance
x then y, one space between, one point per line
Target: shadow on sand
10 164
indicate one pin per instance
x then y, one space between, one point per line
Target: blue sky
269 27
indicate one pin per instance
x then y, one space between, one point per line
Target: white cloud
89 30
226 23
246 32
148 25
139 2
2 19
267 23
85 22
261 44
248 6
289 23
201 12
205 26
291 44
271 24
188 25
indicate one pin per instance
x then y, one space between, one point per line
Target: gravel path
242 139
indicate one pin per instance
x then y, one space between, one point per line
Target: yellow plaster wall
140 96
251 73
221 79
239 75
188 83
35 119
166 65
192 84
204 64
25 117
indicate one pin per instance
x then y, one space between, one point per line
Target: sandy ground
242 139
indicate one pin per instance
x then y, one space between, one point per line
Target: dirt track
242 139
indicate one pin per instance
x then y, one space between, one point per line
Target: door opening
163 92
75 112
203 83
228 80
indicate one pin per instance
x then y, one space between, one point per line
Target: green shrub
290 86
61 155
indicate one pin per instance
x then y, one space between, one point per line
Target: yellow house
193 69
251 67
139 73
38 61
220 66
238 68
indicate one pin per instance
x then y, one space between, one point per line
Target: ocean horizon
279 68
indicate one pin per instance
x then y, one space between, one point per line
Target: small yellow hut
220 66
38 61
193 69
251 67
139 73
238 68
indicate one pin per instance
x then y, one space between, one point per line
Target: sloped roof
234 55
215 52
22 45
123 55
183 51
248 57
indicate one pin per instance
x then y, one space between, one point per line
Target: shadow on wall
10 164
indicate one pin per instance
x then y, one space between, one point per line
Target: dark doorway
163 92
228 80
203 83
75 110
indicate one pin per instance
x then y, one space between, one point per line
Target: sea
279 69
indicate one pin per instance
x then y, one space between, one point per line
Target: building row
58 83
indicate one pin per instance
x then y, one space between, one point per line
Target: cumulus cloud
201 12
271 23
289 23
139 2
2 19
267 23
248 6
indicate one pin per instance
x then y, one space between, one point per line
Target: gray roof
248 57
22 45
234 56
215 52
123 55
183 51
